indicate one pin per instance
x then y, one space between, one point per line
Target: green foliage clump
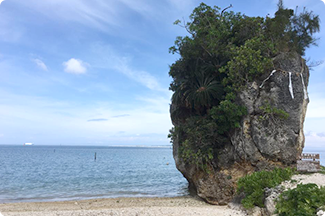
196 135
322 169
253 185
270 112
301 201
198 156
247 62
292 31
223 52
227 115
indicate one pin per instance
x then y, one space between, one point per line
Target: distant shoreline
101 146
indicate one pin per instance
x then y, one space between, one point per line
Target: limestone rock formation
271 134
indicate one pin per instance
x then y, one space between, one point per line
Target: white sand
118 207
177 206
316 178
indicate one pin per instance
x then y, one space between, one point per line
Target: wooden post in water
95 156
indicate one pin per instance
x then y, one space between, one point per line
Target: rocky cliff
271 134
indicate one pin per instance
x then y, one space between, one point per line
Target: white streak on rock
290 86
267 78
303 85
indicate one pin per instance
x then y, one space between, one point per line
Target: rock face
271 134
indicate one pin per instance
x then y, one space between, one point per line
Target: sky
80 72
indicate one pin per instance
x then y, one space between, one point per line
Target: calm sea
51 173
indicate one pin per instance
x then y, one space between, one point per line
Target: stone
256 211
263 140
271 195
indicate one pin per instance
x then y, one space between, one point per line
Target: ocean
57 173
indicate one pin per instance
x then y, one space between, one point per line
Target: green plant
196 135
197 156
301 201
227 115
253 185
270 112
198 93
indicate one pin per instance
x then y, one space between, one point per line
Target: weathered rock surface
264 139
271 195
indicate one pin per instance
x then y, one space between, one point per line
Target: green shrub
199 140
253 185
270 112
301 201
322 170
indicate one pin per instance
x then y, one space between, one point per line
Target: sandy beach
118 206
172 206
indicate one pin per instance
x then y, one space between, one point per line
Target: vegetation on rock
304 200
222 54
253 185
270 112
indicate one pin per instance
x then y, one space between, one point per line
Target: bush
322 170
301 201
253 185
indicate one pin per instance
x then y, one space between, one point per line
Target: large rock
265 138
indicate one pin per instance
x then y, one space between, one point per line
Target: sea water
52 173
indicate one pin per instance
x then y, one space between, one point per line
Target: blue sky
96 72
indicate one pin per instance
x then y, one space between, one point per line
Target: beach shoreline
136 206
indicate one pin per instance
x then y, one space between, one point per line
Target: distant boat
28 144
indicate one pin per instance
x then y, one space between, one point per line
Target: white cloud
140 6
94 13
75 66
1 1
66 122
316 107
314 139
40 64
102 14
323 1
111 59
142 77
